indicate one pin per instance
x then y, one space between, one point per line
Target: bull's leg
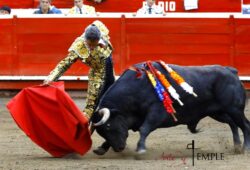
192 127
152 121
243 123
101 150
225 118
246 133
144 132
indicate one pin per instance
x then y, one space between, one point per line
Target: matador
94 49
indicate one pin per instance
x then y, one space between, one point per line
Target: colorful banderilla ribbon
178 79
165 83
162 94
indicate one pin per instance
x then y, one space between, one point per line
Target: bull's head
111 126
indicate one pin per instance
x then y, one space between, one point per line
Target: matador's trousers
97 85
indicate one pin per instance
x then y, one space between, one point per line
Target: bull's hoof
238 149
100 151
141 151
246 149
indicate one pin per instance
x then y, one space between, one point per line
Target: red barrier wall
247 2
33 46
18 4
6 46
189 41
134 5
241 46
31 43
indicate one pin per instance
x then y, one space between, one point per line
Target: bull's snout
120 148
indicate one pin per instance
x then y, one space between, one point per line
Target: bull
131 103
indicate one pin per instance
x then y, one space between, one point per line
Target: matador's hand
86 115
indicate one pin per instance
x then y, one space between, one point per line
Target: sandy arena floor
166 149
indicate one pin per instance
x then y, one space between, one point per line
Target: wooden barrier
247 2
18 4
32 46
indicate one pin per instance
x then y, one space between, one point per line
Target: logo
171 157
203 156
196 156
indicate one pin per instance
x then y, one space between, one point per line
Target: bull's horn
106 113
91 127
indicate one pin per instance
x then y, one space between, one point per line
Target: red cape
51 119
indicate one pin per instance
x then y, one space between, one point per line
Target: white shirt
155 9
84 10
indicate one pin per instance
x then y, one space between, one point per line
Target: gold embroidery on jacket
95 59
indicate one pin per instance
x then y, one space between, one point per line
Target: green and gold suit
101 74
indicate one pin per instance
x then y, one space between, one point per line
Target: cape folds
50 118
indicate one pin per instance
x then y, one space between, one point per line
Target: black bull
131 103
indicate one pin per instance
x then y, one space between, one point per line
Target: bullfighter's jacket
95 59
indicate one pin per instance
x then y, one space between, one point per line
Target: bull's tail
247 98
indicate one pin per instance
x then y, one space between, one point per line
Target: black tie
80 10
150 10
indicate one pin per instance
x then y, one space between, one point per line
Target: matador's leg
98 84
95 84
